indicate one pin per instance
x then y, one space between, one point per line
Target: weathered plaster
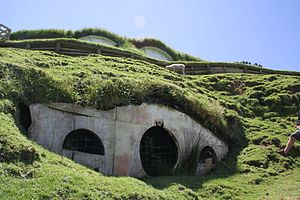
120 130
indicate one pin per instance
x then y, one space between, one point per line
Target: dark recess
208 152
84 141
24 116
158 152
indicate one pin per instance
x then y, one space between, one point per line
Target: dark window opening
158 152
85 141
24 116
206 154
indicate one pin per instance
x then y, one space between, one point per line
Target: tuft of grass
190 159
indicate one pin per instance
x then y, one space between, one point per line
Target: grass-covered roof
122 42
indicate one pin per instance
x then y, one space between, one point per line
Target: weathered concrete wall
50 127
156 53
99 39
120 130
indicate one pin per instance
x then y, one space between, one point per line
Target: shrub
40 34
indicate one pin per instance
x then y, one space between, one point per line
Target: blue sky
262 31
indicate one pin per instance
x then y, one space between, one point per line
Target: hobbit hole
158 150
119 141
207 160
208 153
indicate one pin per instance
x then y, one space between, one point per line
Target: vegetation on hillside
253 113
139 43
65 42
122 42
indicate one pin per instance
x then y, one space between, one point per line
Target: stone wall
120 130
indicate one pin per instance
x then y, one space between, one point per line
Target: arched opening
84 141
207 159
24 116
99 39
158 151
156 53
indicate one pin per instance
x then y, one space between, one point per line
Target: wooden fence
77 48
4 32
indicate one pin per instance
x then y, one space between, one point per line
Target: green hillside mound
70 43
122 42
254 114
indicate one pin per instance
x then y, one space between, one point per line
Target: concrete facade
156 53
99 39
120 130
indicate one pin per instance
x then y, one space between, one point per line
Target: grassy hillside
122 42
253 113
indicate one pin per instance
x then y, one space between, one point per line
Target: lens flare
139 22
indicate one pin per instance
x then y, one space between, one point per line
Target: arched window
84 141
156 53
99 39
158 152
208 154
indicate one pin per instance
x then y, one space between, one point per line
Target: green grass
51 176
139 43
122 42
104 82
192 67
253 113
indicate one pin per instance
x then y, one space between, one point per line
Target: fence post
57 48
98 51
209 71
4 32
225 68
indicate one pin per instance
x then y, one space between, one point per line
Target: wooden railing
4 32
78 48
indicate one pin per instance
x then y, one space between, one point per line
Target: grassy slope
192 66
122 42
265 105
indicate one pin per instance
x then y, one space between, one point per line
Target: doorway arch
208 153
83 140
158 151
